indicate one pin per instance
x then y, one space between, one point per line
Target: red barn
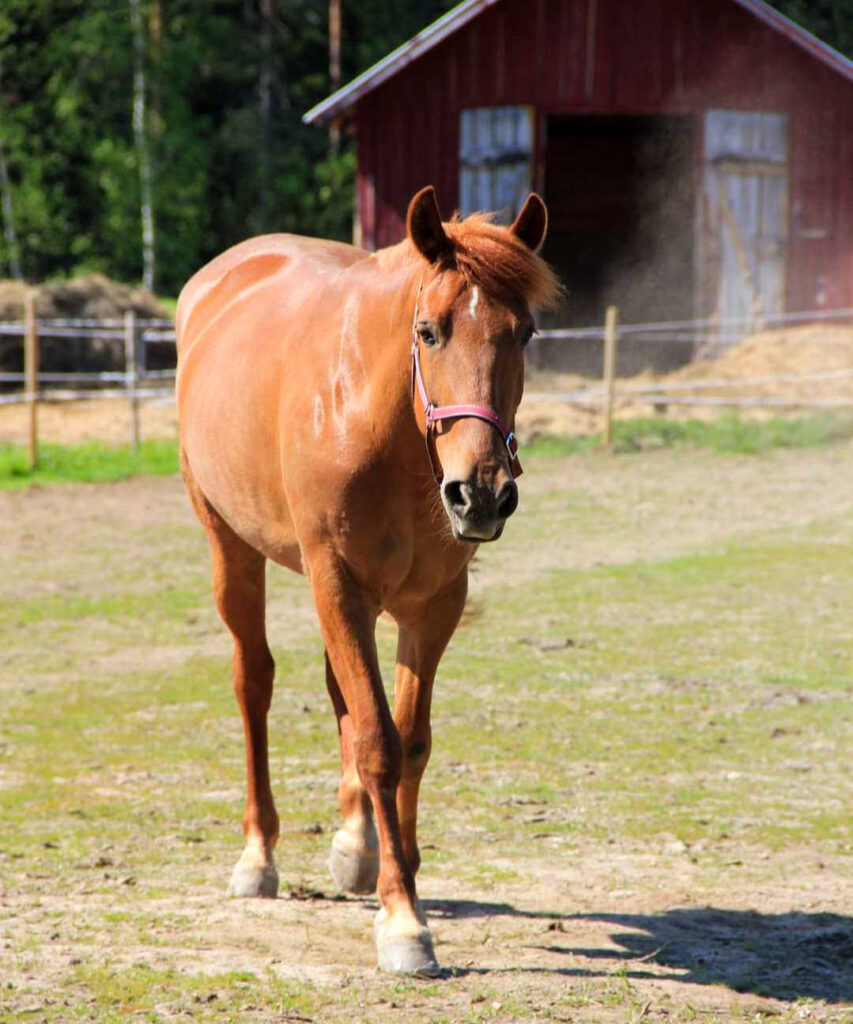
696 157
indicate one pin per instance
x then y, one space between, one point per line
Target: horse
350 416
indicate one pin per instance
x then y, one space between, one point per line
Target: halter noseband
435 413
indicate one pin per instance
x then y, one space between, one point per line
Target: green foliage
90 463
225 165
829 20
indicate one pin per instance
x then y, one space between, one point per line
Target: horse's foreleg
354 860
402 938
419 649
239 591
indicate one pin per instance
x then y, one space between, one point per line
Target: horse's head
472 322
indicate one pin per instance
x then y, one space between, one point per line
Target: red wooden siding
605 56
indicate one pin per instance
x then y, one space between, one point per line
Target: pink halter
435 413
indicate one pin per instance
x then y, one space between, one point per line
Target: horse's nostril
457 495
507 500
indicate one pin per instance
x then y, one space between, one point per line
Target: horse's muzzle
478 513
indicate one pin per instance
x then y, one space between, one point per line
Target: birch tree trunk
12 250
334 67
265 88
9 218
142 148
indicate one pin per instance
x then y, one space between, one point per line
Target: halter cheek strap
433 414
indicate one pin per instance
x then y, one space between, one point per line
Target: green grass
679 673
140 992
95 462
730 434
91 462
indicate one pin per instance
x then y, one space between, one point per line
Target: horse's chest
406 569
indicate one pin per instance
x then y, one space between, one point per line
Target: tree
829 20
143 151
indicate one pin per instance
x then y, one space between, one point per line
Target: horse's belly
264 525
229 434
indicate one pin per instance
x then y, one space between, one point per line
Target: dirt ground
114 909
107 420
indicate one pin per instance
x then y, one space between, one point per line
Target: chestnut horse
307 375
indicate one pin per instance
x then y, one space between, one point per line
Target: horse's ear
532 223
423 224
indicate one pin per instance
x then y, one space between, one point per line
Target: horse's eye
427 336
528 334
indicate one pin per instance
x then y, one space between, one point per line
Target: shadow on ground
782 956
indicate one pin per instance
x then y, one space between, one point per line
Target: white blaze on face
475 299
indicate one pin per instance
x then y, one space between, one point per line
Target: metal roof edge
800 36
433 34
460 15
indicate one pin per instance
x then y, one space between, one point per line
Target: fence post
131 376
609 370
31 375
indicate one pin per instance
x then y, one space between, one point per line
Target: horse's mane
491 256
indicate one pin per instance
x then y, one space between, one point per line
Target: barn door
495 159
745 214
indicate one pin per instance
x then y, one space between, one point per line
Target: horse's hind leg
239 591
354 860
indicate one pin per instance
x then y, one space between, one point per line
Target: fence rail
705 337
706 326
136 383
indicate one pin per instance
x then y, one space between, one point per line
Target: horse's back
231 277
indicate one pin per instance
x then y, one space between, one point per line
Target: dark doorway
620 194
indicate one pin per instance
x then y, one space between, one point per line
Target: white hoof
252 877
405 948
354 862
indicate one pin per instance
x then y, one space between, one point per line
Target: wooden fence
136 383
703 340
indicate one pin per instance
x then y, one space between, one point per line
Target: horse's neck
396 258
390 306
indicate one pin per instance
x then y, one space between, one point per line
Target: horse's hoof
353 868
407 951
254 880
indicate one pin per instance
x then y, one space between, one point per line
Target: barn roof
460 15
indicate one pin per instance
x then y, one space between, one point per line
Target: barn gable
695 157
342 100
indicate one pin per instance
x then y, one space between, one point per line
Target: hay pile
815 362
94 297
799 353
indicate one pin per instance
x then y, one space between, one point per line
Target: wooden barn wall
600 56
